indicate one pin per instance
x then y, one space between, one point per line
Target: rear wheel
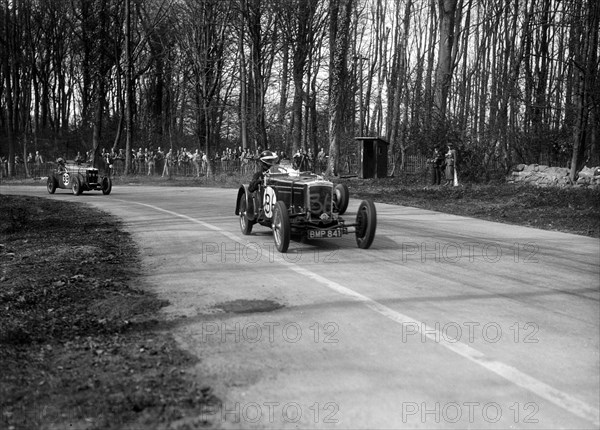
76 188
245 223
341 197
106 185
51 185
281 227
366 220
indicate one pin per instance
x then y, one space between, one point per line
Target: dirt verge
80 345
570 210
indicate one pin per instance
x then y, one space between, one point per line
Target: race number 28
269 201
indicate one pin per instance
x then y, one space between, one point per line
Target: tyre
366 220
106 185
281 227
245 223
76 187
51 185
341 197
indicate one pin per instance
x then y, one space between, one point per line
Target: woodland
505 81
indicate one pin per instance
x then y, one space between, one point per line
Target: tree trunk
447 9
128 89
339 34
585 63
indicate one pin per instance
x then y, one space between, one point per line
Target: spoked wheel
106 185
341 197
51 185
281 227
76 187
245 223
366 220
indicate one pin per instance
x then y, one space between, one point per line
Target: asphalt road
445 322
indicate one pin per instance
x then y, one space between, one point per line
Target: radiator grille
319 199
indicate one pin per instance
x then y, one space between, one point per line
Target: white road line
510 373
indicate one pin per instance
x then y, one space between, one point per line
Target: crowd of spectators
146 161
181 162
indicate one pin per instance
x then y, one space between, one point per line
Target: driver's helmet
268 158
60 161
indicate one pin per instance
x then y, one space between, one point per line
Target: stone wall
545 176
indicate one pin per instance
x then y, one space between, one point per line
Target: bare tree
339 29
585 62
447 10
203 37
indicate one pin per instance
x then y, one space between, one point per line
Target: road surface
446 322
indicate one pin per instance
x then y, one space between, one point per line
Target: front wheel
341 197
106 185
76 188
51 185
281 227
245 223
366 220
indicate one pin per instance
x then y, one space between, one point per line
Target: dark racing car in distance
78 178
304 205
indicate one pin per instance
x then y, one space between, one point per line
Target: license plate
321 234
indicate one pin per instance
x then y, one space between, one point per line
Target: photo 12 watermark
272 412
470 332
264 252
468 252
469 412
268 331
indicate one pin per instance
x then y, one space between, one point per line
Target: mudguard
243 190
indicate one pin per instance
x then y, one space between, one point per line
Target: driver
267 159
61 165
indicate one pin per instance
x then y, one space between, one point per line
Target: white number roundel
66 178
269 200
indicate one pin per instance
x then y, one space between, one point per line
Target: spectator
169 158
322 160
151 162
120 162
140 161
244 161
159 159
301 161
109 159
3 167
133 161
30 163
39 160
224 161
437 164
183 161
79 158
204 163
196 160
451 177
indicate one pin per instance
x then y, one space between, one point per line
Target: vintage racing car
78 178
304 205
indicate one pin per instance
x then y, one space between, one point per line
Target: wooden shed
373 161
